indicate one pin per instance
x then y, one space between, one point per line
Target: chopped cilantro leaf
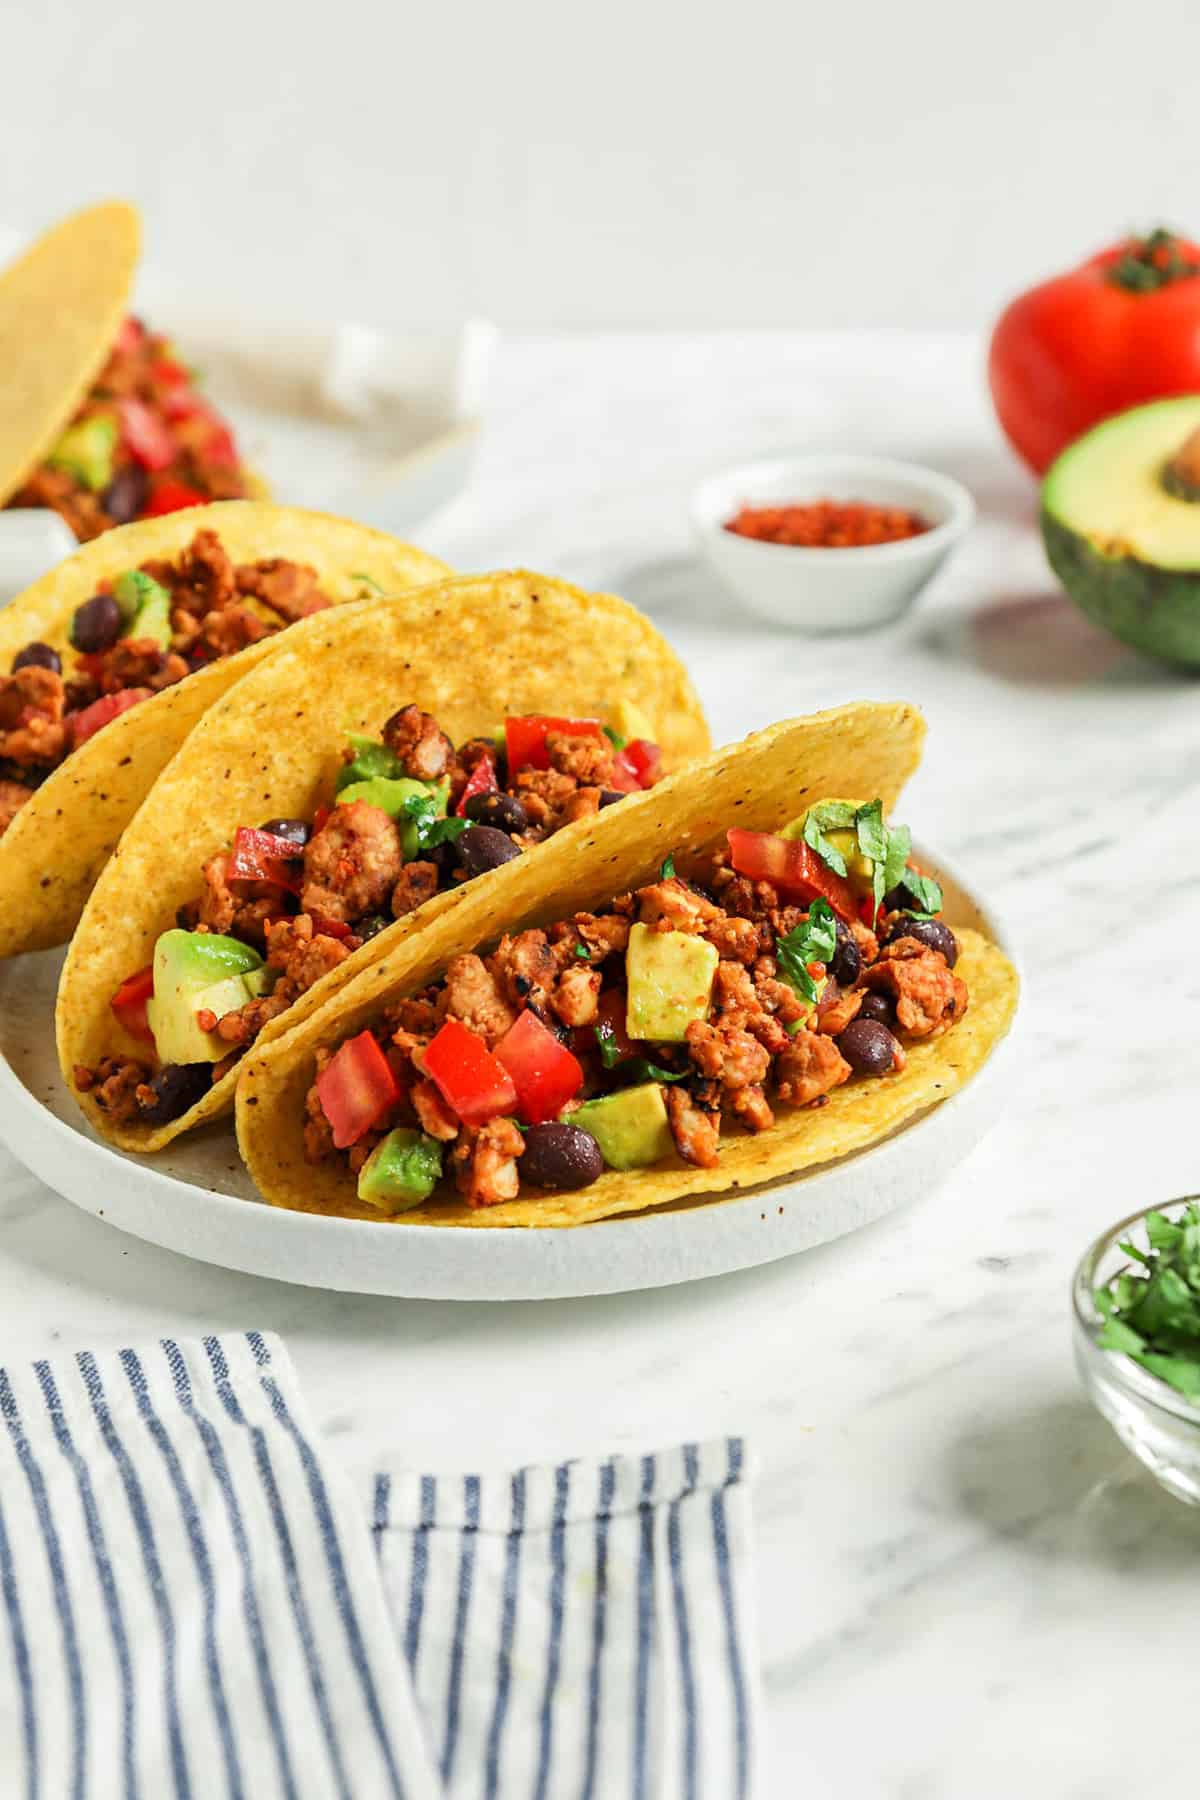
813 940
667 871
1151 1311
896 861
615 738
610 1050
367 580
639 1069
431 829
582 952
925 891
816 840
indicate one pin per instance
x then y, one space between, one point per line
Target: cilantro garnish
831 815
886 847
639 1069
367 580
925 891
582 952
813 940
667 871
1152 1313
430 828
615 738
610 1050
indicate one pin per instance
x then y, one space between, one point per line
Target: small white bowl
818 590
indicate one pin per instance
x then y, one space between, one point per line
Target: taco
739 975
341 799
115 654
100 419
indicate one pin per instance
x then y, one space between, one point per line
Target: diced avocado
194 972
258 981
629 722
670 977
86 451
392 798
371 759
145 607
1121 525
401 1171
630 1126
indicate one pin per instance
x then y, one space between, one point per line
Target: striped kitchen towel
191 1604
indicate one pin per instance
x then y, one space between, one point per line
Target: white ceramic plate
197 1199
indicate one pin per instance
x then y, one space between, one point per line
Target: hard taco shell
863 750
61 838
469 651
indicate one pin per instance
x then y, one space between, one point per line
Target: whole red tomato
1122 328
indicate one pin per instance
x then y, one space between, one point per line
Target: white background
905 162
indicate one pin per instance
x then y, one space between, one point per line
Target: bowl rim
953 493
1146 1387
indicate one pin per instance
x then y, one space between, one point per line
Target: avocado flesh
86 452
197 972
401 1171
630 722
670 977
1126 550
391 796
630 1126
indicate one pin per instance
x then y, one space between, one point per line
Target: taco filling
290 899
143 442
785 966
139 633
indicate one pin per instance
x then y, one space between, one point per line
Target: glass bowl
1151 1418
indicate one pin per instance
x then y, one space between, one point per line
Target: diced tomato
356 1088
545 1073
868 912
171 496
525 738
645 759
85 724
262 856
469 1078
482 780
169 374
210 434
793 867
624 775
130 335
145 434
324 927
321 818
129 1003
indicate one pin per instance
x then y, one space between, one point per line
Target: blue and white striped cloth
194 1602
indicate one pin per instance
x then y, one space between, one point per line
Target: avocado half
1121 523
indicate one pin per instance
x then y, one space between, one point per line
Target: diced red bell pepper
525 738
129 1003
473 1082
211 435
130 334
624 775
85 724
356 1088
793 867
262 856
171 496
326 927
482 780
645 759
545 1073
321 818
146 435
170 374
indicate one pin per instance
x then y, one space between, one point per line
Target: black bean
868 1047
97 624
444 858
504 811
930 932
126 494
37 656
560 1156
610 796
176 1087
483 848
879 1008
297 831
371 927
847 961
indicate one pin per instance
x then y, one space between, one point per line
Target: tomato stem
1152 262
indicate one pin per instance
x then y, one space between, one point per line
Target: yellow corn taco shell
469 651
864 750
61 305
61 838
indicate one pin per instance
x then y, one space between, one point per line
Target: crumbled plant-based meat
32 731
587 759
526 967
485 1163
416 883
675 906
291 589
837 1008
240 909
928 994
809 1067
473 995
418 742
13 795
351 865
576 995
696 1132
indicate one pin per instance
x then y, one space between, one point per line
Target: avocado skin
1155 610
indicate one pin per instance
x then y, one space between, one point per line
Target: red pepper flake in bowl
828 524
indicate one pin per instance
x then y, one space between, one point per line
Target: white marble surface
966 1586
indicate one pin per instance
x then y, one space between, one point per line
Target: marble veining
966 1588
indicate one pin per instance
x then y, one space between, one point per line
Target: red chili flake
827 524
